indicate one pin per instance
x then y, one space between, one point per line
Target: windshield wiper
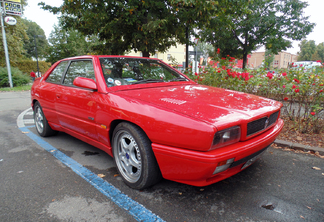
178 79
147 81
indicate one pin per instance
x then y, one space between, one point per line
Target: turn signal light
223 165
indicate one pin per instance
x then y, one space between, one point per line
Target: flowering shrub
300 90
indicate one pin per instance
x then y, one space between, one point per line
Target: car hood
216 106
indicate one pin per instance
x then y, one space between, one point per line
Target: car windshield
128 71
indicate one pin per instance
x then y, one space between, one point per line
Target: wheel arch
115 123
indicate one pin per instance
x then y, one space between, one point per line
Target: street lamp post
2 13
40 36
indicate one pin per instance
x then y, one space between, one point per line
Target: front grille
261 124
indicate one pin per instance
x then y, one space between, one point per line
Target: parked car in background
154 120
306 65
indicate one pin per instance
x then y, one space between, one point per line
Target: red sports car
154 120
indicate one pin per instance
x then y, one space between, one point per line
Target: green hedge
26 66
18 78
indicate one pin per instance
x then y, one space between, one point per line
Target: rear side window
56 75
83 68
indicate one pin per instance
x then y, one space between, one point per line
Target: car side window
56 74
83 68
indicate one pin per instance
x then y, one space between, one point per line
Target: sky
46 20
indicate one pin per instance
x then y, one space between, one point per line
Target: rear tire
134 156
42 127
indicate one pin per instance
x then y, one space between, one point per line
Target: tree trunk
244 59
146 54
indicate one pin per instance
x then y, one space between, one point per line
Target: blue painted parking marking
138 211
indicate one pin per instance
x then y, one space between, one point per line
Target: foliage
319 54
67 43
26 66
147 26
272 23
300 91
15 35
269 58
309 51
18 78
35 33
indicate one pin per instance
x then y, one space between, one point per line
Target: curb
298 146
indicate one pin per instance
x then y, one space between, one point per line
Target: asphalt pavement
39 182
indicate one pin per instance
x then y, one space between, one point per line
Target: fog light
224 165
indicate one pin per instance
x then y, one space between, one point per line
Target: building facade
281 60
175 53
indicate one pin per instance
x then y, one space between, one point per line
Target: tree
147 25
273 23
15 35
319 54
307 50
67 43
35 32
268 58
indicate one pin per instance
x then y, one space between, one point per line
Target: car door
48 88
76 107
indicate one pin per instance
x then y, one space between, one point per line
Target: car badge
266 123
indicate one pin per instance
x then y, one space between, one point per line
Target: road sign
195 53
16 1
10 20
13 8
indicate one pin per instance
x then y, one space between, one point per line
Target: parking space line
138 211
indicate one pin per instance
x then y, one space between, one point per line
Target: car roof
105 56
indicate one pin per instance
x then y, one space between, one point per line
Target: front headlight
226 137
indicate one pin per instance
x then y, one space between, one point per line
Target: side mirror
85 83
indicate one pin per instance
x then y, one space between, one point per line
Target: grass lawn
18 88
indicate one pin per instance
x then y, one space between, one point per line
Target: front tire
134 157
42 127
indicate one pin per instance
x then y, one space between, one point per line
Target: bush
26 66
18 78
301 91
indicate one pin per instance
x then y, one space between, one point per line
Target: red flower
321 90
294 86
301 65
313 113
297 81
284 86
297 90
196 74
286 98
319 61
218 51
284 74
270 75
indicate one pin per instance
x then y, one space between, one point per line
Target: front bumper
196 168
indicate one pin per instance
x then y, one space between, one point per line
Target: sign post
2 11
9 7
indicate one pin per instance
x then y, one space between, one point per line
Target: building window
276 62
169 57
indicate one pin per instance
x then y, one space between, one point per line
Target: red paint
180 118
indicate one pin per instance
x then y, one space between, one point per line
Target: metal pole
187 47
36 55
5 44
